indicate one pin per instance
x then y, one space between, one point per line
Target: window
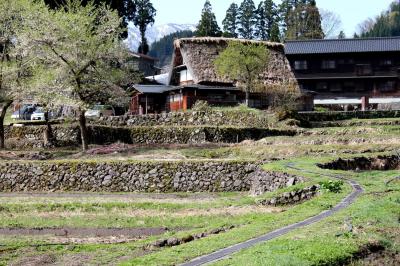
328 64
322 86
348 61
185 76
349 86
336 87
386 62
300 65
364 70
387 86
174 98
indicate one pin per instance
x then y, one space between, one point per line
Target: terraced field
69 228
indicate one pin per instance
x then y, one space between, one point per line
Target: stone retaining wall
233 118
183 176
293 197
32 136
380 163
335 116
263 181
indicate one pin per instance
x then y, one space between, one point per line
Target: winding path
223 253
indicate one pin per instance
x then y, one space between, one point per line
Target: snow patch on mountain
154 33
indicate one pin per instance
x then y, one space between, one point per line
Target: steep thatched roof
221 40
199 54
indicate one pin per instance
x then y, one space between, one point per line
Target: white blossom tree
82 55
15 62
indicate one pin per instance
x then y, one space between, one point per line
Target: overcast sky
352 12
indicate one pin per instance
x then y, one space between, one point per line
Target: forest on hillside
164 48
386 24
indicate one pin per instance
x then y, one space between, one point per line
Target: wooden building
343 71
143 63
193 77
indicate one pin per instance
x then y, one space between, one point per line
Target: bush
281 97
201 106
332 186
286 114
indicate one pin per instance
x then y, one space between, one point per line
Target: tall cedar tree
243 63
247 19
230 23
385 25
145 13
208 25
275 33
266 18
304 22
342 35
126 10
285 8
313 22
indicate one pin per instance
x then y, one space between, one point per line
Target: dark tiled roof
139 55
389 44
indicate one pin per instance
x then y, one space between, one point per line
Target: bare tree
366 26
331 23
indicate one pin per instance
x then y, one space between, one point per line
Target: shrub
332 186
281 97
286 114
201 106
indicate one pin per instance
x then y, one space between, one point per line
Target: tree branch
60 56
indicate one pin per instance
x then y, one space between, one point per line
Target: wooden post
146 104
364 103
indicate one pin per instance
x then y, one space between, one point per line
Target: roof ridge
346 39
177 42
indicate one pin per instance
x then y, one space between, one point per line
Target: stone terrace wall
234 118
187 176
32 136
336 116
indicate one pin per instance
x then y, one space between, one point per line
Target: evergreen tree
230 22
208 25
164 48
342 35
145 13
313 22
275 33
285 9
267 14
247 19
385 25
304 22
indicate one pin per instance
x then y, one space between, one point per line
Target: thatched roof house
197 55
193 77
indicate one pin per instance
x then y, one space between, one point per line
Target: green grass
114 214
374 216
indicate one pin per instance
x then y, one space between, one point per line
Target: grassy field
367 231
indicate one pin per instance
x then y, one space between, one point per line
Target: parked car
24 113
98 111
39 113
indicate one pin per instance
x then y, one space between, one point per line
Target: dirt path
223 253
150 196
84 232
